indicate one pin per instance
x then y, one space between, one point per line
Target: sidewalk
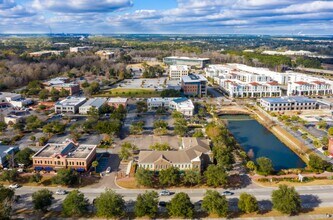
299 217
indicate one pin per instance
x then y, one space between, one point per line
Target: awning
48 168
38 168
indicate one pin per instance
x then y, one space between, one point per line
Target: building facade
181 104
92 103
288 103
194 154
70 104
194 85
116 102
6 151
189 61
65 155
176 72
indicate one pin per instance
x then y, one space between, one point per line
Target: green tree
6 200
110 205
54 95
54 127
198 133
75 204
10 175
63 92
216 176
141 106
214 203
126 150
144 177
3 126
137 127
24 156
181 206
180 126
93 113
317 163
265 166
42 199
223 156
248 203
33 122
251 165
177 114
286 200
43 94
160 124
66 177
330 131
94 164
169 176
35 178
160 147
111 127
146 204
192 177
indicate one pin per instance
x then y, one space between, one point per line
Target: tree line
109 204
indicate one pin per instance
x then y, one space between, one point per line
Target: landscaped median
129 92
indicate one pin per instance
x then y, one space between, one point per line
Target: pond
258 141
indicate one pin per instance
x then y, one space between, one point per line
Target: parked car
14 186
162 204
227 193
165 193
61 192
108 170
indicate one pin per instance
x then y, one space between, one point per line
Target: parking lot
154 83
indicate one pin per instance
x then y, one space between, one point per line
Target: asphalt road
312 196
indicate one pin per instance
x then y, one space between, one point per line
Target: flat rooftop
187 58
96 102
194 78
118 100
287 99
71 101
68 150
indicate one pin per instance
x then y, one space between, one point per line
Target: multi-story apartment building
176 72
70 104
194 85
288 103
69 154
303 84
92 103
239 89
190 61
195 153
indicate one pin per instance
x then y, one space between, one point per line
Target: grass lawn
311 183
123 92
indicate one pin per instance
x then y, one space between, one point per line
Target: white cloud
81 6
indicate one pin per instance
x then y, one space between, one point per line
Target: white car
108 170
165 193
14 186
61 192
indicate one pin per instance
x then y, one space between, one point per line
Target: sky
282 17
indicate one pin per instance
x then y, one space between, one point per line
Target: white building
288 103
70 104
303 84
289 53
177 71
183 105
78 49
92 103
13 100
190 61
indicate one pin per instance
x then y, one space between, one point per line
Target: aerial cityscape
175 109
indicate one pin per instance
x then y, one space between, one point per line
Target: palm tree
94 164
